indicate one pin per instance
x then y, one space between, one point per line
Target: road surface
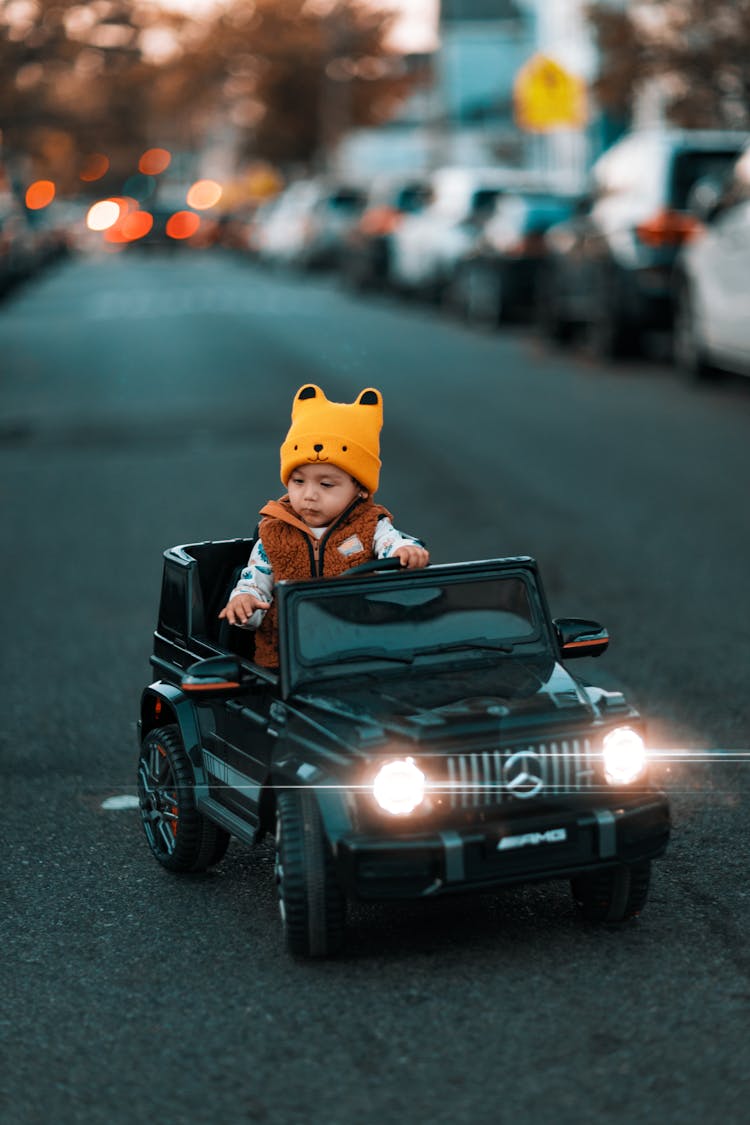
142 403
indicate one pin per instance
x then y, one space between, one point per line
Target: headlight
399 787
624 754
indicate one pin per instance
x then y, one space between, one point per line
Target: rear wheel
179 836
613 336
613 895
311 903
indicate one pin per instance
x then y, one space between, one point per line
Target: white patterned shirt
257 577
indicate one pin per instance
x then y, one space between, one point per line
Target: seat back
219 566
231 637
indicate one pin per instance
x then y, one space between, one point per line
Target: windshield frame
297 672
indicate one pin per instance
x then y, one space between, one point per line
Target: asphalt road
142 403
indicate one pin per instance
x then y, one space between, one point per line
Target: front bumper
549 845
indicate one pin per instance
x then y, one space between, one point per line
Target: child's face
319 493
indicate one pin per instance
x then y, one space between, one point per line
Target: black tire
179 836
613 336
434 292
613 895
547 311
483 295
311 903
454 298
355 272
689 355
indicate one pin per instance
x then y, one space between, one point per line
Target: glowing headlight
399 787
624 755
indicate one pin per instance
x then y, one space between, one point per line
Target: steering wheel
392 563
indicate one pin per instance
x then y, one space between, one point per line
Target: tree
288 77
696 51
291 76
72 80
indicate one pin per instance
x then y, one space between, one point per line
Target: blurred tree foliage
291 76
72 80
283 79
693 55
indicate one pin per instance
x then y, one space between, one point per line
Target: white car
712 282
426 246
282 226
306 225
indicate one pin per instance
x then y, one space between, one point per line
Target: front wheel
179 836
687 345
311 903
613 895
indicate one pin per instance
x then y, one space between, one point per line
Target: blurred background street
546 274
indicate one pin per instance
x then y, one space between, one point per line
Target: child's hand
241 607
412 557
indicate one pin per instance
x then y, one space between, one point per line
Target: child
328 522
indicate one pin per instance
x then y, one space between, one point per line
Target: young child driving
328 521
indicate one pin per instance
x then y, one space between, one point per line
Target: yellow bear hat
345 434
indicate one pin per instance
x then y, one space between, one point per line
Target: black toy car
420 737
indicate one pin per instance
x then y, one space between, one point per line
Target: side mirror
579 637
219 677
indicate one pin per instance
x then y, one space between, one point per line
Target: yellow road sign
548 97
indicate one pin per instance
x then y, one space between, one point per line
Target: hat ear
370 397
307 394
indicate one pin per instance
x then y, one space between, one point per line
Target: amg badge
551 836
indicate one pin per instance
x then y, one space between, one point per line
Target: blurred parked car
495 279
426 246
609 268
330 220
712 280
278 224
231 230
367 247
56 229
19 256
258 223
307 224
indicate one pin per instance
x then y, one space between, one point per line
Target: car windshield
400 624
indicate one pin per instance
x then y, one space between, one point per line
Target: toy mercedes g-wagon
420 737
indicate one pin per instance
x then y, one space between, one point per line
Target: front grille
494 777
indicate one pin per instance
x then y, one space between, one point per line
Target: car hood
446 706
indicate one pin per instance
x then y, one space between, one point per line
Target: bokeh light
183 224
95 166
39 194
136 225
114 234
154 160
103 215
126 202
204 194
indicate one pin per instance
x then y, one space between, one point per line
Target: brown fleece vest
295 554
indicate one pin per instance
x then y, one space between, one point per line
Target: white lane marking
126 801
